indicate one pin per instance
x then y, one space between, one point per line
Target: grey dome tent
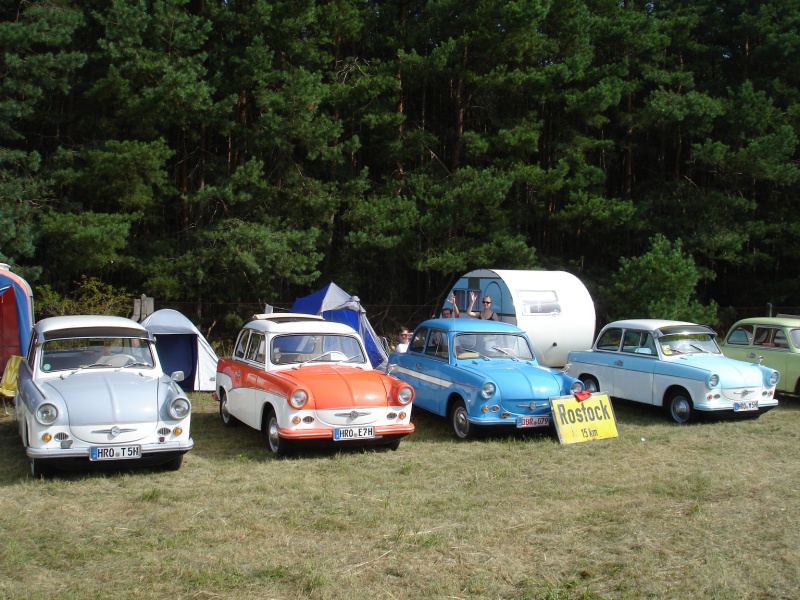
181 347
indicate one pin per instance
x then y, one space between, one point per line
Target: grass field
664 511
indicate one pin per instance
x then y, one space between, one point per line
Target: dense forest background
212 153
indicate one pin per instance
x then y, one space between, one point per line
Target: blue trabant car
479 373
676 365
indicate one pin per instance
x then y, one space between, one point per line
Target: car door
634 367
242 397
767 344
422 367
770 342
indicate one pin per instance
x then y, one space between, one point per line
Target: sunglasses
487 301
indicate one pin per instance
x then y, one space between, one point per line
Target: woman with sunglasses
487 314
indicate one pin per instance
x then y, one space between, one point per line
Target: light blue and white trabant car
91 392
479 373
675 365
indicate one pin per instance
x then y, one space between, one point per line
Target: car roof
660 325
780 320
646 323
89 325
301 326
470 325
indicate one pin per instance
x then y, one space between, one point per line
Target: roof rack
286 317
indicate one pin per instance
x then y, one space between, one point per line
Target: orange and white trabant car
301 379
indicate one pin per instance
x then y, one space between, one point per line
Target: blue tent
332 303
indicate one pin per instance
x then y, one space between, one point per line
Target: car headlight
298 398
773 379
404 395
179 408
488 390
576 387
46 414
713 381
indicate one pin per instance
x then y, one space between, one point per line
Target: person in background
403 338
487 314
448 312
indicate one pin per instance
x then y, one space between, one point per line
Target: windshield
79 353
492 345
297 349
688 343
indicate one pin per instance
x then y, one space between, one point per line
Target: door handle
617 363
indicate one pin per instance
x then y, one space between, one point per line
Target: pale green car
772 341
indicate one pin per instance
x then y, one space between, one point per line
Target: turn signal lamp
403 415
177 431
484 409
296 420
47 437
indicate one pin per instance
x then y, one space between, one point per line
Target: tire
276 445
39 469
590 384
228 420
393 445
680 407
458 421
173 464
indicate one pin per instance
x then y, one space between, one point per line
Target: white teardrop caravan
553 307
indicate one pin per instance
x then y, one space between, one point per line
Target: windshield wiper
507 351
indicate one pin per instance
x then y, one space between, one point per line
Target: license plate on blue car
353 433
748 405
115 452
533 421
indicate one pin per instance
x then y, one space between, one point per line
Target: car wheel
173 464
590 384
277 445
458 420
38 468
393 445
227 418
680 406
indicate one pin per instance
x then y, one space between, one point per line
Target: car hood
107 398
338 386
733 373
521 380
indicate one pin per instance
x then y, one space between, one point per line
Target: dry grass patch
703 511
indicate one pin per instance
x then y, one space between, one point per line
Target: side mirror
177 376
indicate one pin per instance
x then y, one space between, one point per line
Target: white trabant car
673 364
302 380
91 392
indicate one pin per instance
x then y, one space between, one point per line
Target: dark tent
181 347
334 304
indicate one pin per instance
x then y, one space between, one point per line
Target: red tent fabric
16 314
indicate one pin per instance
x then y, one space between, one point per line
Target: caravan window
539 302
